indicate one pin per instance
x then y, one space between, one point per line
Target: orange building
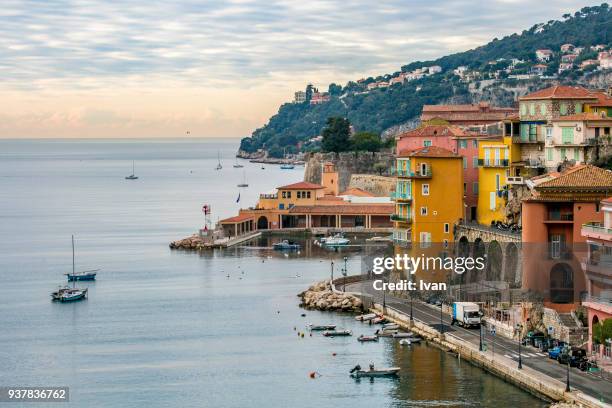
306 205
553 245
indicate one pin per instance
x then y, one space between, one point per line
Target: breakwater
321 296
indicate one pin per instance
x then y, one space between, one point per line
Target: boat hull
72 278
389 372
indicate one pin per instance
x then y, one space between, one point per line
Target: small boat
336 240
262 167
357 372
82 276
385 333
366 317
68 294
320 327
363 338
390 326
412 340
132 176
237 165
403 335
219 166
337 333
244 183
379 320
286 245
287 166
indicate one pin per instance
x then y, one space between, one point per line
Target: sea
168 328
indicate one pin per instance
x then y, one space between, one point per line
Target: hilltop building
475 117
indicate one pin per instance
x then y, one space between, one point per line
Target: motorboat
320 327
379 320
403 335
366 317
372 372
287 166
82 276
390 326
286 245
385 333
412 340
364 339
335 240
68 294
337 333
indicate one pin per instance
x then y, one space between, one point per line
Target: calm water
164 328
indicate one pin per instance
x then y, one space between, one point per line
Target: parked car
588 365
555 352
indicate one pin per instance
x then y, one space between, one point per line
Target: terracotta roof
481 107
429 151
434 131
354 191
560 92
302 185
355 209
236 219
602 99
584 176
583 116
607 200
329 197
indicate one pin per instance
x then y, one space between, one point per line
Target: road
589 383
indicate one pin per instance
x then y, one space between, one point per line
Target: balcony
411 174
517 180
527 139
400 196
400 218
401 172
596 230
401 236
419 174
493 162
557 217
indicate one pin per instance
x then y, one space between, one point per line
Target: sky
217 68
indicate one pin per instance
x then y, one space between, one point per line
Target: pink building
598 270
458 141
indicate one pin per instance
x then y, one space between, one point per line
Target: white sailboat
219 166
70 294
244 183
237 165
132 176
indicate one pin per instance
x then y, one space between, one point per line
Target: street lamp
411 318
332 271
480 330
567 384
344 273
441 321
519 327
384 293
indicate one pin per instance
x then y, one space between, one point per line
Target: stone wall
347 164
377 185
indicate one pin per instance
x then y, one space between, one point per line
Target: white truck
466 314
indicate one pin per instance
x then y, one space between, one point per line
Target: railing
400 196
401 172
426 174
515 180
411 174
596 299
400 218
596 227
560 217
493 162
537 138
592 141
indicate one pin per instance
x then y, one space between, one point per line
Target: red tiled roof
236 219
560 92
353 209
355 191
429 151
329 197
603 99
481 107
434 131
607 200
584 116
583 176
302 185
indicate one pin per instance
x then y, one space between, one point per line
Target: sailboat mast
133 167
73 271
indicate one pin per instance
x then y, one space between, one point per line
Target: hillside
378 108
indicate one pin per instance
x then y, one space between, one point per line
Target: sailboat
286 166
132 176
237 165
71 294
244 183
219 166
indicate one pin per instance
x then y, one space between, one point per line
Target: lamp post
411 318
441 321
344 273
332 271
384 293
480 331
519 328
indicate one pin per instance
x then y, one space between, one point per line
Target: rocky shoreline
192 242
320 296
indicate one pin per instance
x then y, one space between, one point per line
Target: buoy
294 328
313 374
310 334
334 354
302 335
303 314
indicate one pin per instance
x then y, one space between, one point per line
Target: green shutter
576 154
524 132
549 153
567 135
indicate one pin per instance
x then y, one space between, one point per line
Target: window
423 211
425 189
563 109
475 144
475 162
549 153
567 135
281 206
426 143
284 194
487 156
524 132
543 108
497 157
556 244
492 198
523 109
465 162
446 227
463 144
423 168
532 109
299 194
563 153
549 132
425 239
497 182
475 188
288 194
576 154
578 108
308 194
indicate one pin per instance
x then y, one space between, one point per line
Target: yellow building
495 158
428 196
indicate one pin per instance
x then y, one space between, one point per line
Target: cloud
91 47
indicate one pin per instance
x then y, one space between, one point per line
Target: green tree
366 141
336 135
334 89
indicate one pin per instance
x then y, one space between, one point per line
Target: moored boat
337 333
336 240
68 294
412 340
390 326
379 320
286 244
320 327
357 372
366 317
363 338
82 276
287 166
385 333
403 335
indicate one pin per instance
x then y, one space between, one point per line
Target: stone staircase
565 327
